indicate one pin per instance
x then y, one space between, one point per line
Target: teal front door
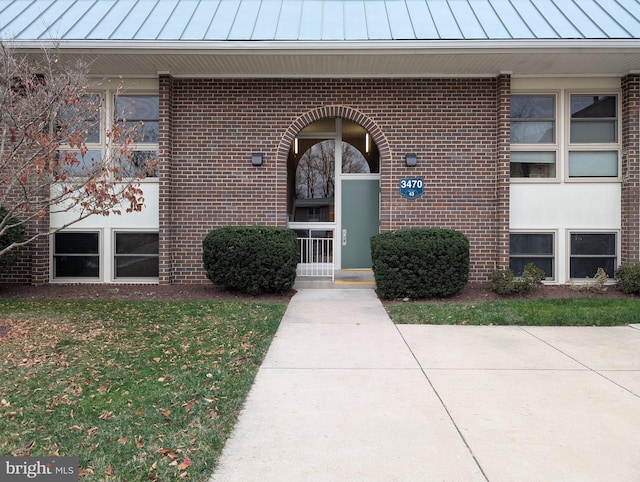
360 221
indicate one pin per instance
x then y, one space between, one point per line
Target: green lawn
534 312
138 391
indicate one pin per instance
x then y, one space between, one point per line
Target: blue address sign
412 187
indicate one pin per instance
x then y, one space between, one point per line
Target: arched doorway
334 193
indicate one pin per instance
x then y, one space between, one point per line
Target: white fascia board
369 46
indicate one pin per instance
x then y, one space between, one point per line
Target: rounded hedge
12 235
251 259
420 263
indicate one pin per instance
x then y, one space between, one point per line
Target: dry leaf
75 428
108 470
24 450
157 359
106 415
139 442
122 440
189 405
185 464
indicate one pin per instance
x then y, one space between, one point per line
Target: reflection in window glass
533 164
137 255
140 164
590 251
353 162
141 112
76 255
315 184
533 119
82 118
536 248
593 119
74 164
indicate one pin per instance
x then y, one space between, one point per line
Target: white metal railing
316 257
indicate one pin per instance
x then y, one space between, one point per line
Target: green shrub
504 282
12 235
420 263
251 259
628 278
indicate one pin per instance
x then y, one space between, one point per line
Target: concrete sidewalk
345 395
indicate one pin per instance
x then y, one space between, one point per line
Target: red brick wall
630 232
452 125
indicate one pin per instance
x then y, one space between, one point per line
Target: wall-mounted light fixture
256 159
296 147
367 143
410 160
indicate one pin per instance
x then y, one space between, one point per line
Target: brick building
514 122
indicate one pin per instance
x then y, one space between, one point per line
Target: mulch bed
207 292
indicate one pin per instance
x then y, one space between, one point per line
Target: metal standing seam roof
317 20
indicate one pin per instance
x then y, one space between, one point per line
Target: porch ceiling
354 59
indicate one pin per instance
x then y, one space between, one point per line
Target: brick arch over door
333 111
351 114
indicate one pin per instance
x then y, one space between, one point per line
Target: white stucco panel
147 219
569 205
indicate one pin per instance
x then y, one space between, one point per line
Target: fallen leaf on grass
139 442
106 415
185 464
108 470
189 405
84 472
122 440
24 450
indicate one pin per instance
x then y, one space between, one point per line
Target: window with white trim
142 114
536 248
136 116
136 255
76 255
533 136
590 251
84 118
593 136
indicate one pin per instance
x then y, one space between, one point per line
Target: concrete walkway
345 395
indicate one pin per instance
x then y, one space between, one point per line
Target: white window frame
79 279
114 276
592 147
542 147
94 146
571 232
136 146
554 255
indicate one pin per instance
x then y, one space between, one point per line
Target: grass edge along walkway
138 391
533 312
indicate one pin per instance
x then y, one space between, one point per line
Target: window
533 136
140 115
76 255
136 255
593 136
590 251
536 248
81 119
